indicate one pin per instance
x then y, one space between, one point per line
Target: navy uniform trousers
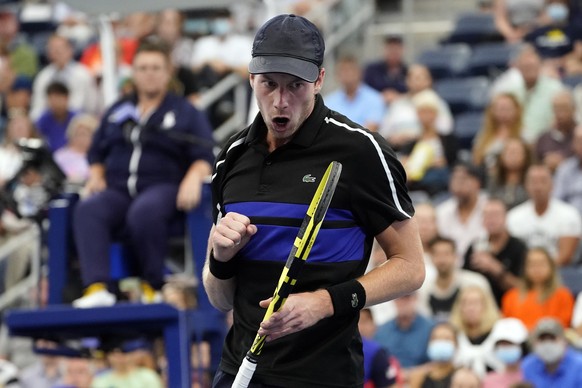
144 219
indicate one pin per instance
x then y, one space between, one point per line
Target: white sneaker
101 298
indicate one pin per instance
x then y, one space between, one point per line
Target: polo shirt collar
303 137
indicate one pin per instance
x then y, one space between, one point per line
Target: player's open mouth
280 122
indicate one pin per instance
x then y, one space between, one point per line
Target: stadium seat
467 125
571 278
572 81
490 59
464 94
474 28
446 61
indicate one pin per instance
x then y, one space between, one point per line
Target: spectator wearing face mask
552 363
509 335
441 351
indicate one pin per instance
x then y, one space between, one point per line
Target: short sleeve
508 302
379 195
563 306
571 224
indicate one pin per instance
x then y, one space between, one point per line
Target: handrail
212 95
357 20
238 120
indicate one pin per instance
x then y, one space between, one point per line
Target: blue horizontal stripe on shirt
274 243
283 210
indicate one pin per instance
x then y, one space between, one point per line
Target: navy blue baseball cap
288 44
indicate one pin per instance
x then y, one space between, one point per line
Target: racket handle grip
245 373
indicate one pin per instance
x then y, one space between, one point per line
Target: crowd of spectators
500 220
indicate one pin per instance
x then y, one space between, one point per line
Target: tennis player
263 181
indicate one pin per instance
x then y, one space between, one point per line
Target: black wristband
347 297
220 269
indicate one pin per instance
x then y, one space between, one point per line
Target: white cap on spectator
510 330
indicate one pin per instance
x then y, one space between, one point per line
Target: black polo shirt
274 190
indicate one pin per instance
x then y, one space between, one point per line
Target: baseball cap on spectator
547 326
510 330
288 44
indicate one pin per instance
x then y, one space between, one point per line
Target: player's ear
251 79
318 84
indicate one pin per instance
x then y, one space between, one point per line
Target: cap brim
271 64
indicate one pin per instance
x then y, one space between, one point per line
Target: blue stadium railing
179 328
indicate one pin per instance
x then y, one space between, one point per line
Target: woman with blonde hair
72 158
540 293
400 125
474 314
503 120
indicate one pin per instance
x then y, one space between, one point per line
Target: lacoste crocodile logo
355 300
308 178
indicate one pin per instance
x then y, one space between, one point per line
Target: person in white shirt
546 222
83 93
534 90
401 124
437 296
460 217
224 51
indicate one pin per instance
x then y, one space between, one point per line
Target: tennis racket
297 257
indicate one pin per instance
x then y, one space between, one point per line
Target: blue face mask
509 354
441 350
221 27
557 12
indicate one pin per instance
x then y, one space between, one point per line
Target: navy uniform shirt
140 152
274 190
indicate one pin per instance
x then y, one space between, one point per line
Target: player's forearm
392 279
220 292
404 271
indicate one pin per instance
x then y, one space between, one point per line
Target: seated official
145 167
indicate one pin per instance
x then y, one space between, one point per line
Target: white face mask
441 350
508 354
550 351
558 12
